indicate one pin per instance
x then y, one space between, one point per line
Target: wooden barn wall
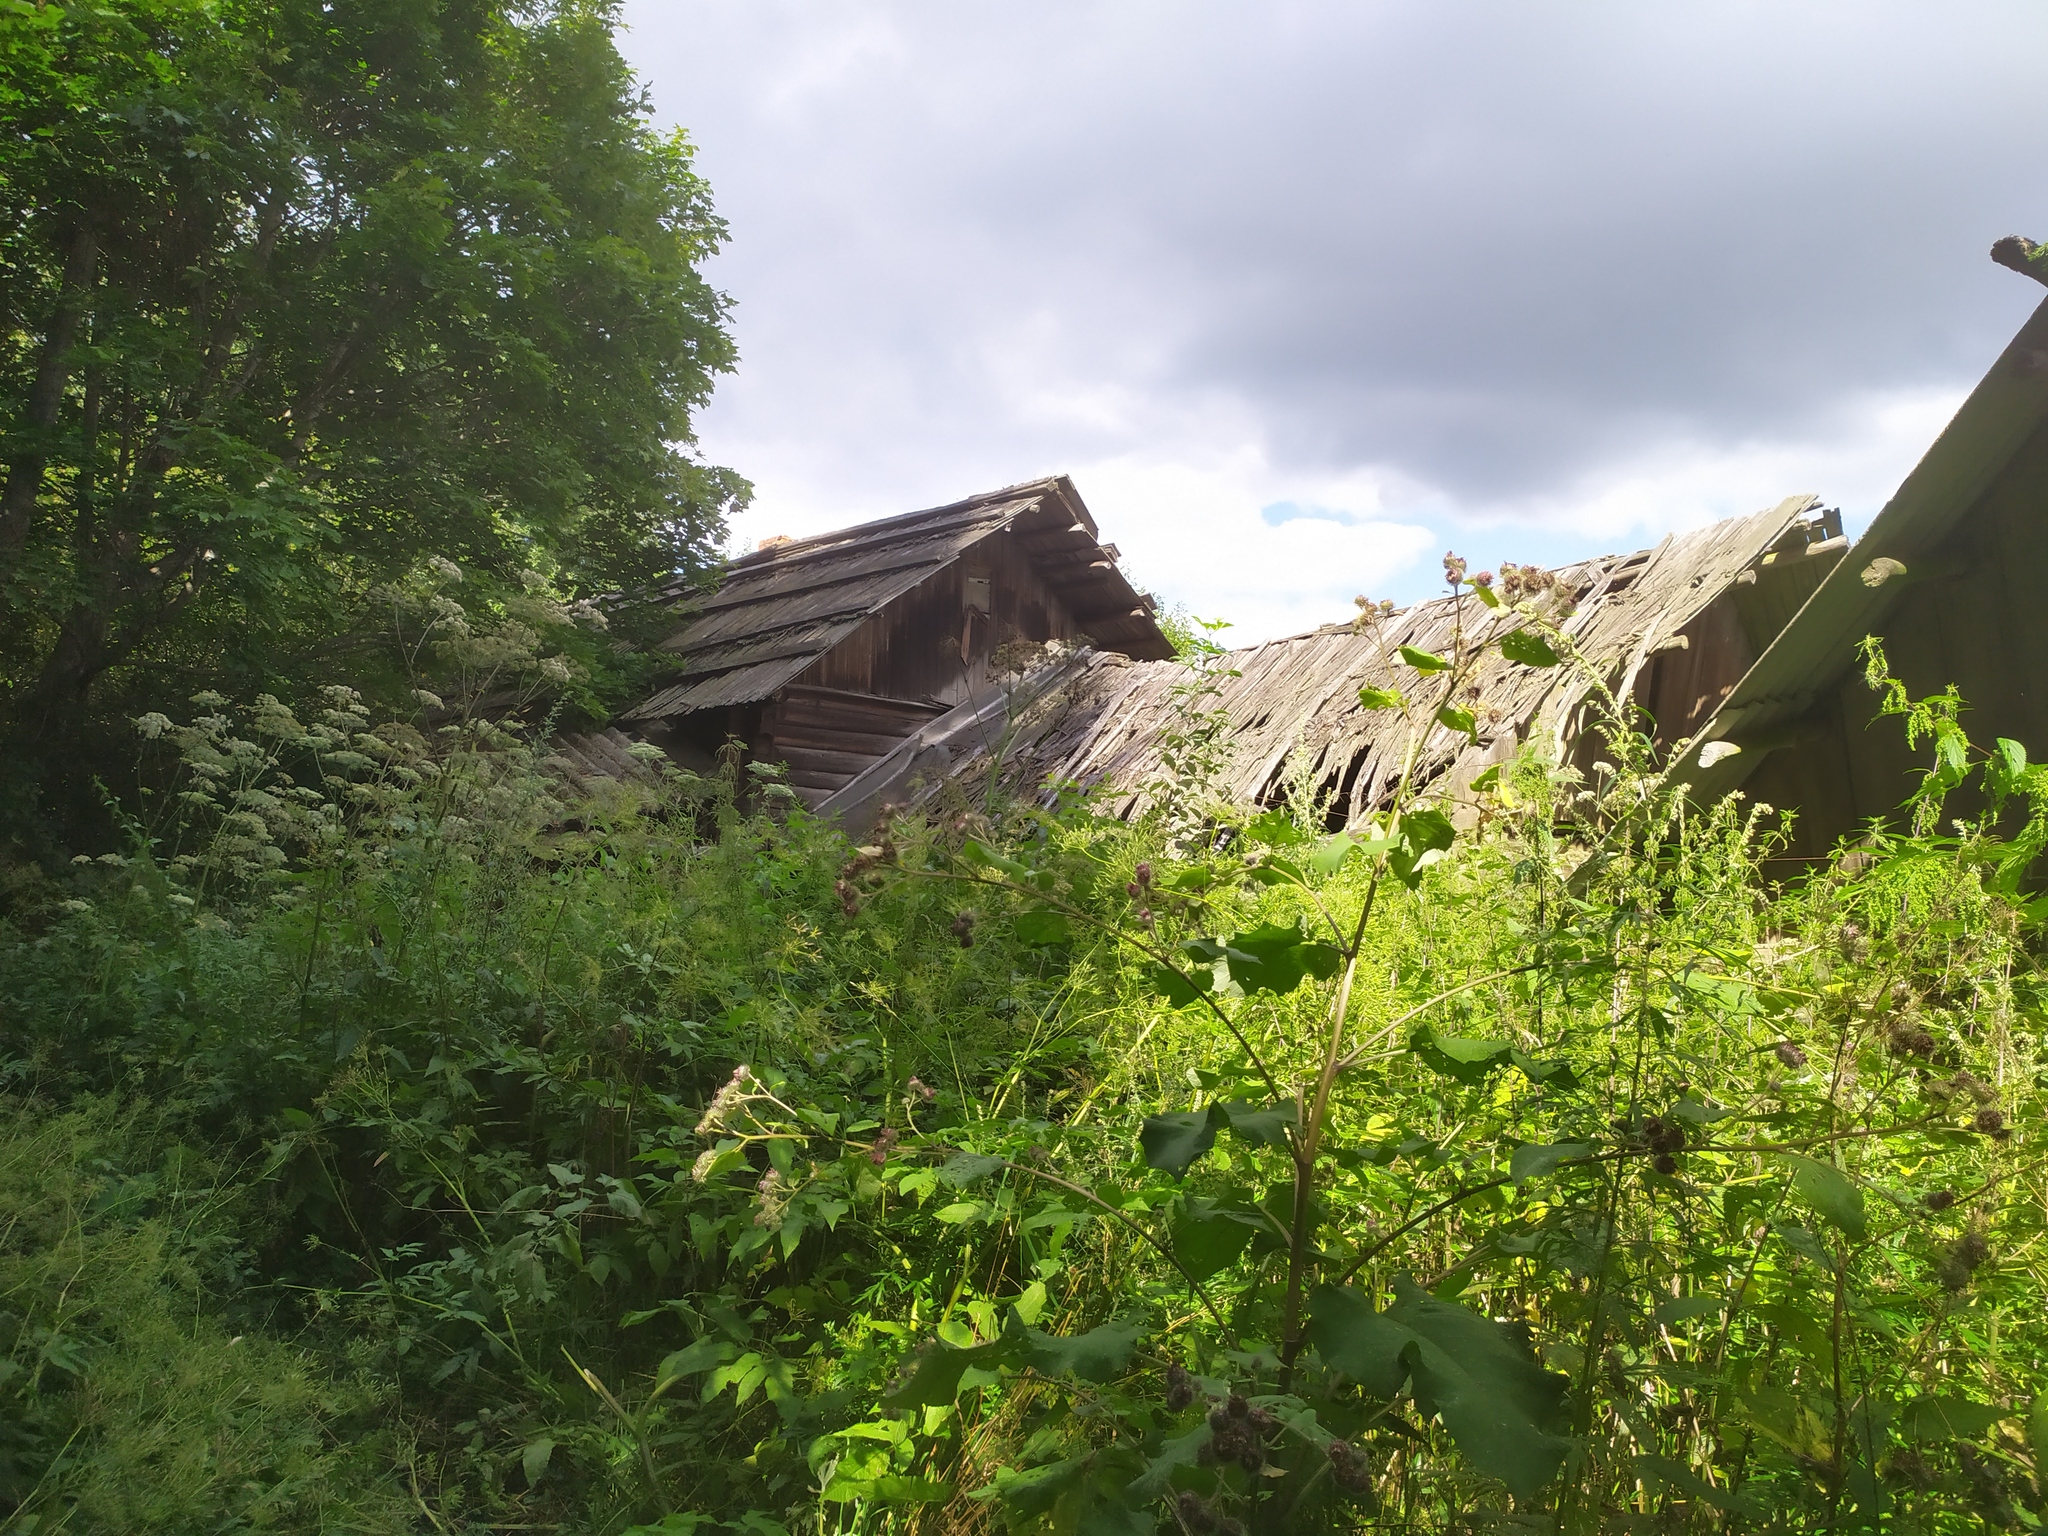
913 648
1972 616
1684 684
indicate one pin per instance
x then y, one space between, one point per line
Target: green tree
295 296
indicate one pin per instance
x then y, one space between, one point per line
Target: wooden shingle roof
774 612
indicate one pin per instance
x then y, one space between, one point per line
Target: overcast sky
1303 293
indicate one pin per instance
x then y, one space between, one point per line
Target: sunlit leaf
1423 661
1527 647
1453 718
1534 1162
1948 1418
1043 926
1373 698
1828 1191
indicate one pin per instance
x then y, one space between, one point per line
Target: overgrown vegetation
400 1141
401 1135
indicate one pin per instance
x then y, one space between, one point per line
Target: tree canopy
295 297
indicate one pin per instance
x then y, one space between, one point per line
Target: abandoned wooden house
824 653
1676 627
880 663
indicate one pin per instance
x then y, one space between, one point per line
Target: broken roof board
776 611
1973 506
1108 725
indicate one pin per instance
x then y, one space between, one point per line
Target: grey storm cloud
1484 251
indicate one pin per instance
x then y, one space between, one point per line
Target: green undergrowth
494 1158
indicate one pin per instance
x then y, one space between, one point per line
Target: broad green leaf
1276 829
1184 1451
896 1489
1036 1491
1273 958
1928 1419
692 1359
1180 989
1452 718
1264 1125
1330 857
1487 596
1532 1162
1423 661
960 1211
1043 926
1370 697
1030 1303
1172 1141
935 1376
964 1168
1503 1410
1427 830
1559 1073
1828 1191
1096 1355
1206 1241
1469 1061
1680 1309
1803 1242
533 1461
2037 1436
1277 871
1527 647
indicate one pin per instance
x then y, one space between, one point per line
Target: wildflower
208 699
1237 1433
445 568
921 1091
1964 1259
554 669
1990 1122
1483 579
1143 874
963 929
885 1138
1938 1199
1349 1466
771 1199
1145 919
728 1099
1180 1388
1454 569
152 725
1789 1054
428 700
700 1170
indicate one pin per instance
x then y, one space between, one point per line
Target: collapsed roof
1674 626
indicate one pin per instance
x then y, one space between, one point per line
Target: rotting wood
1292 706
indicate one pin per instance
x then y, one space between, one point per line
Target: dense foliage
401 1141
295 298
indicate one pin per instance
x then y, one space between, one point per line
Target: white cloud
1530 282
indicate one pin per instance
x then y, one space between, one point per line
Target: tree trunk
46 395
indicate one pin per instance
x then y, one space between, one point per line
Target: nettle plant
1557 1172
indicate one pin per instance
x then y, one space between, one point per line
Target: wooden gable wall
1970 614
931 644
